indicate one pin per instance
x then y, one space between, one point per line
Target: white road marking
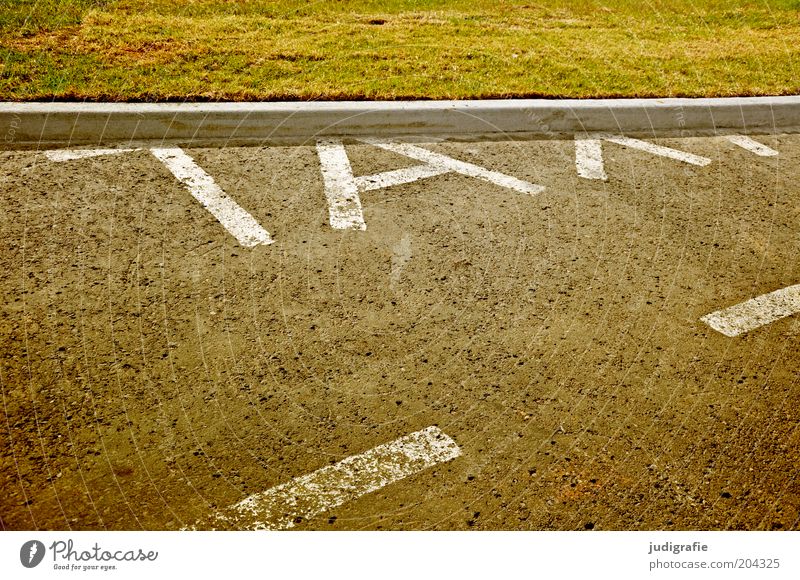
329 487
589 153
398 177
341 191
758 311
752 145
72 154
342 188
589 158
204 189
445 163
659 150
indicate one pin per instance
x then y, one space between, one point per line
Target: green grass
155 50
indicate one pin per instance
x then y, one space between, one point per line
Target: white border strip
310 495
756 312
379 555
204 189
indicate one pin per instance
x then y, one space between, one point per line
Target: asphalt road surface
548 335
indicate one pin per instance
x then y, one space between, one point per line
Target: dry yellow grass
132 50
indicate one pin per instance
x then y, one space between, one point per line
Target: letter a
342 188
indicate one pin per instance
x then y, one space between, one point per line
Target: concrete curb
37 124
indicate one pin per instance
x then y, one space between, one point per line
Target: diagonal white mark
444 162
658 150
72 154
341 191
758 311
310 495
204 189
752 145
589 153
398 177
589 158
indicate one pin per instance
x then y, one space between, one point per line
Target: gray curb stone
60 124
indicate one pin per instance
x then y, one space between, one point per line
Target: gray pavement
160 366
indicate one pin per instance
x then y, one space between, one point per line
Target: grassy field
156 50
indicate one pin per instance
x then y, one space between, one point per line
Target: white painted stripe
758 311
72 154
589 158
657 149
344 205
398 177
310 495
752 145
204 189
444 162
